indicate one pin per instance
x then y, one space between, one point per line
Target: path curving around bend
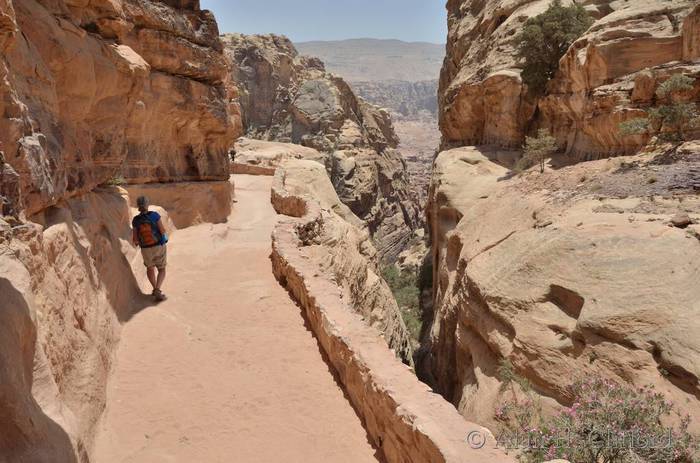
225 370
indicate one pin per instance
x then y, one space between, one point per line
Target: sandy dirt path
225 370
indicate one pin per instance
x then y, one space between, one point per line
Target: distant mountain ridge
374 60
405 99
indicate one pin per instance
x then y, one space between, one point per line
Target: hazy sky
409 20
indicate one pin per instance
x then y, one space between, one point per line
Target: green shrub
404 286
537 150
636 126
545 38
671 120
117 180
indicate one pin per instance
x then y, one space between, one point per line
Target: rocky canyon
401 77
291 98
362 264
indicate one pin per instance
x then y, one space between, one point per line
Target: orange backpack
147 230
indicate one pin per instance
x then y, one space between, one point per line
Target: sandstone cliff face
606 77
290 98
572 272
610 74
481 95
119 88
65 286
91 91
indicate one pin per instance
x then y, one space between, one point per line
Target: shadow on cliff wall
26 433
98 228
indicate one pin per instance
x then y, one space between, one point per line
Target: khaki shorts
157 256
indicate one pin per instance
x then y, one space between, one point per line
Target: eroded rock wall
66 285
611 73
290 98
137 89
481 95
563 277
91 92
607 76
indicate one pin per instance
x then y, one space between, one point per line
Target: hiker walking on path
149 234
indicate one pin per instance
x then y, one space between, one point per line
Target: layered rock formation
91 92
481 95
409 100
611 73
66 284
607 76
290 98
123 88
573 272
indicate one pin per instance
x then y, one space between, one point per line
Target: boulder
681 220
258 157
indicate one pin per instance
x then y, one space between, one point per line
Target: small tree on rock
545 38
672 120
537 150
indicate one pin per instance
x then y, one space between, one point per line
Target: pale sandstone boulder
258 157
338 243
290 98
412 258
537 271
118 88
27 433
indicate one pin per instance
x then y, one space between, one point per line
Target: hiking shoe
158 295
